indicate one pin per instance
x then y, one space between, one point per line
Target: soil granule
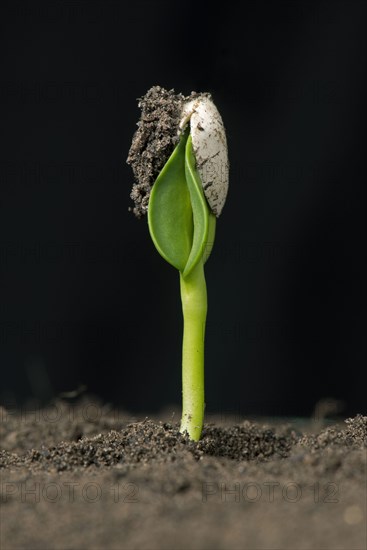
154 141
76 476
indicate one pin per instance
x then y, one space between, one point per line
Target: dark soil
85 476
154 141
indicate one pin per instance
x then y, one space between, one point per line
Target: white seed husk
210 148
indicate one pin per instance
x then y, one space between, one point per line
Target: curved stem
194 308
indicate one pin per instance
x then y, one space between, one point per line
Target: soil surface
85 476
154 141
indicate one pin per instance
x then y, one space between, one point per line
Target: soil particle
154 140
97 478
354 435
146 441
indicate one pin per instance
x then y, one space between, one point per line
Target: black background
86 299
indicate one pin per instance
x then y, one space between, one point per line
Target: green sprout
182 226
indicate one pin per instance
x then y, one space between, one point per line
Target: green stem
194 308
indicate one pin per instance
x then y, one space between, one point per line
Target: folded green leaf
200 210
181 224
211 237
170 212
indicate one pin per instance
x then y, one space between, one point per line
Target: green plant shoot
179 158
182 227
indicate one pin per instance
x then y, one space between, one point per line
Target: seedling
179 158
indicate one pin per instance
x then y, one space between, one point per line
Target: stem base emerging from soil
194 308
